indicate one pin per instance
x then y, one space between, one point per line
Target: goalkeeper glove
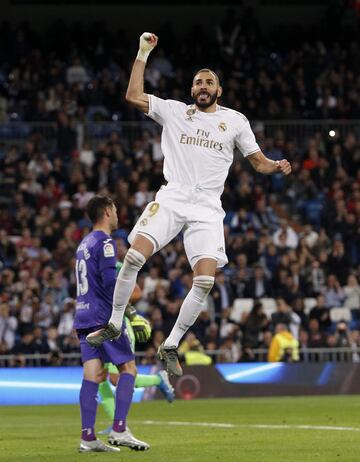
147 43
141 328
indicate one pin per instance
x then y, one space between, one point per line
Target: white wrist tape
142 55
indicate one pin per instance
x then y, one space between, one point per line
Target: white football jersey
199 147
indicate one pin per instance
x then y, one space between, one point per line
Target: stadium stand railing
307 355
301 130
298 131
18 133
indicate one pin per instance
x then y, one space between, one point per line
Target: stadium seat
340 314
269 305
309 304
240 306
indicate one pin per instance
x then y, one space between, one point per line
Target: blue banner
47 385
317 374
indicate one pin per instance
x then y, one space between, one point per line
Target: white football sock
125 284
190 309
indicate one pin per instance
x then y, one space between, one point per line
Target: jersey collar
192 109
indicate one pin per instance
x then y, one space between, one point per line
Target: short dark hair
96 207
205 69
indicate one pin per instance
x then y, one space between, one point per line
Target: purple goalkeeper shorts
111 351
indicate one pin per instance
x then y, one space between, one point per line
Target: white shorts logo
109 250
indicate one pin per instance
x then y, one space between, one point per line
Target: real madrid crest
190 112
222 126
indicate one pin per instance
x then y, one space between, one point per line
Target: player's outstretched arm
135 92
267 166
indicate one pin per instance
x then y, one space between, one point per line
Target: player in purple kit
96 277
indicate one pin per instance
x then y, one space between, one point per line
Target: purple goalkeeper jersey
95 280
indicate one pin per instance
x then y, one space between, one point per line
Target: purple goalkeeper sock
88 405
123 397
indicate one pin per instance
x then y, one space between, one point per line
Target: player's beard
114 225
205 104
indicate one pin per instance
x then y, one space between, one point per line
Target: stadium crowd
83 76
287 238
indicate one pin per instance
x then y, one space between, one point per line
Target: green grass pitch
314 429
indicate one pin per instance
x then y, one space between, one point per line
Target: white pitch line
304 427
186 424
259 426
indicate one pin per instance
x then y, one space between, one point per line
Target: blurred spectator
82 196
7 249
8 327
25 345
316 338
321 313
334 294
285 315
76 73
352 293
285 236
355 344
258 286
264 216
253 325
316 277
67 317
341 338
230 351
222 295
284 347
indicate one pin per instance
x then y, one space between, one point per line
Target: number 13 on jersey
82 284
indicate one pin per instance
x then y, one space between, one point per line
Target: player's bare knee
128 368
95 376
203 285
100 375
94 371
145 244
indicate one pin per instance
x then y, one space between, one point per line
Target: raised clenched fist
148 42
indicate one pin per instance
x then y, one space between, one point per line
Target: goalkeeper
138 330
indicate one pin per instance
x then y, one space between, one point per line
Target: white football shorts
192 210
